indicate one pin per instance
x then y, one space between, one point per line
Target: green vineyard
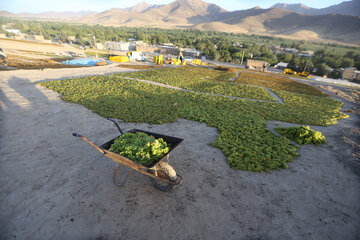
243 136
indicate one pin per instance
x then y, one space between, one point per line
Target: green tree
225 56
295 62
347 62
236 55
323 69
357 61
350 54
284 57
216 56
307 65
335 74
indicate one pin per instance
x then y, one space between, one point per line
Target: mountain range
48 15
338 23
345 8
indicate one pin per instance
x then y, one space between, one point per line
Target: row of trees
325 62
226 47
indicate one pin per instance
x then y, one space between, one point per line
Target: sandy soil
32 48
35 49
55 186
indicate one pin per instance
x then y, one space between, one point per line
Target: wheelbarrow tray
172 141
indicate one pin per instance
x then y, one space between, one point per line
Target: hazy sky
36 6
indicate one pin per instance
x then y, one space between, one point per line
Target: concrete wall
147 48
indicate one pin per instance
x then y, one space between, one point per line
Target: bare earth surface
16 47
55 186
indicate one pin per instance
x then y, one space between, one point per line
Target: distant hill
48 15
274 21
297 7
202 15
7 14
142 7
176 13
345 8
281 22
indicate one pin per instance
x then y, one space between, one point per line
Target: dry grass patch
138 66
278 83
226 69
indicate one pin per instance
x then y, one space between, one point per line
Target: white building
291 50
281 65
120 46
15 31
306 53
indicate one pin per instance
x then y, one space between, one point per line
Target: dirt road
55 186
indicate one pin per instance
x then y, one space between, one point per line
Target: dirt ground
15 62
55 186
34 55
32 49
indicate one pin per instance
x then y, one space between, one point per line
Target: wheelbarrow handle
116 124
89 142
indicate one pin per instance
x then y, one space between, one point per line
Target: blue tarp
83 61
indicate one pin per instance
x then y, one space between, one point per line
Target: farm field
243 136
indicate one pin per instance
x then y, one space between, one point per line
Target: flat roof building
350 74
281 65
255 64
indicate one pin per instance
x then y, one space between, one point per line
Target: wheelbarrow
162 175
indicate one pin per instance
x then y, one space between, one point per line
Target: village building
255 64
281 65
147 48
14 31
168 44
139 43
119 46
306 54
350 74
166 49
291 50
190 52
129 46
277 49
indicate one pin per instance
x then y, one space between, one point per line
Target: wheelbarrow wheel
161 185
164 186
168 173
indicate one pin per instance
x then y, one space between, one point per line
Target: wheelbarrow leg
116 182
